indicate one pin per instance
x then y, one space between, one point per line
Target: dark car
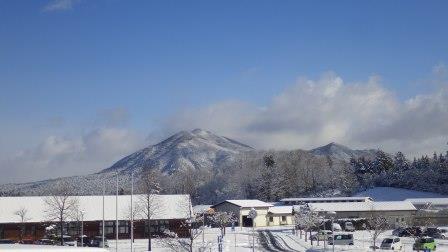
7 241
433 232
44 242
398 232
26 241
97 241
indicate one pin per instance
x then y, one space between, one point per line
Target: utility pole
132 211
116 217
82 228
104 192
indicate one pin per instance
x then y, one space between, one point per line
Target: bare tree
222 220
61 205
306 218
172 240
376 225
22 212
148 204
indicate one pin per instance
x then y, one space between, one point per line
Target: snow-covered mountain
341 152
197 149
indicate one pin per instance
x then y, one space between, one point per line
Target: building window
271 219
283 218
108 227
123 227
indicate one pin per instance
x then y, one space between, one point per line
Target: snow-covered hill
198 149
342 152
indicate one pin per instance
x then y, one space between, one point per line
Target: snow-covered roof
247 203
168 207
363 206
280 210
330 199
200 209
432 201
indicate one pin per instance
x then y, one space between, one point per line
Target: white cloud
60 5
315 112
62 156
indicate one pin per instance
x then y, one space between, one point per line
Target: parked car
392 243
444 233
341 239
7 241
26 241
67 241
348 226
433 232
44 242
337 227
424 243
407 232
97 241
321 235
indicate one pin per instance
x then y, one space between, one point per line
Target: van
341 239
392 243
348 226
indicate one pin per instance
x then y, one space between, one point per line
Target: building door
247 222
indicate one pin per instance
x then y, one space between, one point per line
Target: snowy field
266 239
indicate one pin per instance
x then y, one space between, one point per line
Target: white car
444 233
348 226
337 227
391 243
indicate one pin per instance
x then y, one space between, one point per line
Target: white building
169 212
397 213
241 208
299 201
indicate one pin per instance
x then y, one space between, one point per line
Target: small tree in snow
376 225
306 218
222 220
148 205
22 213
61 205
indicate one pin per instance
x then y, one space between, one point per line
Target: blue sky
68 66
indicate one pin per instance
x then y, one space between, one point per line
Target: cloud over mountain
315 112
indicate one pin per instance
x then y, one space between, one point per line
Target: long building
170 212
300 201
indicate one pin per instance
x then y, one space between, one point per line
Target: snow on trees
61 205
222 220
148 206
306 219
22 213
376 225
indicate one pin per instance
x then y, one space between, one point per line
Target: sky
85 82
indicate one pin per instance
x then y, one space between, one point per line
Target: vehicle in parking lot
97 241
321 235
44 242
444 233
341 239
392 243
433 232
7 241
425 243
407 232
67 241
337 227
348 226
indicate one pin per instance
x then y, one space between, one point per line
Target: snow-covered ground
240 240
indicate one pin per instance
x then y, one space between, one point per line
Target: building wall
239 212
277 219
36 231
394 218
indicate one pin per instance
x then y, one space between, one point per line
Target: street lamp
332 214
82 227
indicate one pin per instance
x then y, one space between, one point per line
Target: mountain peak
197 149
339 151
